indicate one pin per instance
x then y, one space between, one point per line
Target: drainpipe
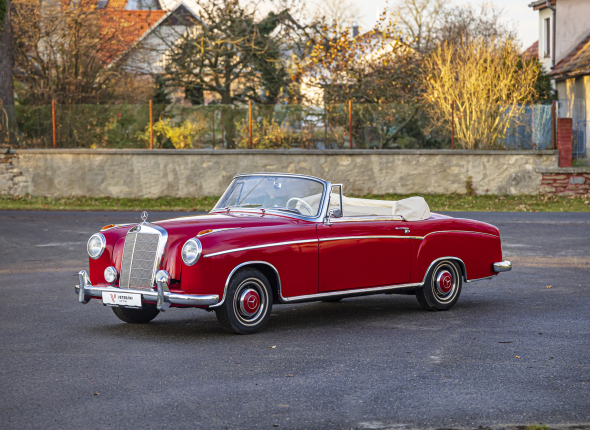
548 4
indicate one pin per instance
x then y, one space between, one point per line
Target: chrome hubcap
250 301
445 282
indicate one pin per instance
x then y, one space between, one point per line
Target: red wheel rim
444 282
249 302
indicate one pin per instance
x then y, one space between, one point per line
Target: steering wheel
303 203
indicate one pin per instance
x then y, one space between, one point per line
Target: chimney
355 30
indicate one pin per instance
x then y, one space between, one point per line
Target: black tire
442 288
248 303
136 316
334 300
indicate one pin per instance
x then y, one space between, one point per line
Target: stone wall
12 180
195 173
573 181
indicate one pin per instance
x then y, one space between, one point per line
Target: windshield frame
314 218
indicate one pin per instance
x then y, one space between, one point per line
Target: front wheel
248 302
442 288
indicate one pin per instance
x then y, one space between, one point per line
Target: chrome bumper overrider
163 297
503 266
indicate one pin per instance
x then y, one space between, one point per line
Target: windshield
299 196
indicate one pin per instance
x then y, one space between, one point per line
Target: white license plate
127 300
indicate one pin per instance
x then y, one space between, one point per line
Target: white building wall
573 25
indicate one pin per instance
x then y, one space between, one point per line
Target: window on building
547 37
143 5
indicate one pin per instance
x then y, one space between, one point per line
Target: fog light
110 274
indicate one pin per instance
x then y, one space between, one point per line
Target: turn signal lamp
106 227
204 232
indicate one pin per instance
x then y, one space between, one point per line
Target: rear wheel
442 288
247 304
136 316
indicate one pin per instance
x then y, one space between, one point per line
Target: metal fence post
350 121
325 128
250 122
53 122
553 124
151 126
453 125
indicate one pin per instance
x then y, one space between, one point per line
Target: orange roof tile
531 52
122 28
576 63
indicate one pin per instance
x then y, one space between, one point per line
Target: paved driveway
511 351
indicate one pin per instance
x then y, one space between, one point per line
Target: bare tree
343 13
233 54
420 19
62 48
466 22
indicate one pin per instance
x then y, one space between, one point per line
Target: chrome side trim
369 218
344 293
460 231
238 267
218 230
503 266
327 239
268 245
480 279
417 237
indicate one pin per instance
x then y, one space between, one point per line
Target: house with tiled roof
564 50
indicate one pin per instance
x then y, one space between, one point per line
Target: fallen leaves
549 286
518 356
272 347
96 394
289 376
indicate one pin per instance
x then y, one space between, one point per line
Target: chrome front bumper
163 297
503 266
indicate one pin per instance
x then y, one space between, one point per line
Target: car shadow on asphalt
344 315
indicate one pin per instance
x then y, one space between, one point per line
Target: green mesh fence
367 126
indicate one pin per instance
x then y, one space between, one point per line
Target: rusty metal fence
335 126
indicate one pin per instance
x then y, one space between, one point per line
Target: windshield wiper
293 210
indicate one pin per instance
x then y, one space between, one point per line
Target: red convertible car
282 238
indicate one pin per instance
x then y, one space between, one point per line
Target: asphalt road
511 351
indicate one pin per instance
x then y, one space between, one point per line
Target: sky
525 20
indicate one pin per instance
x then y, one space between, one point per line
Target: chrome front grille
142 254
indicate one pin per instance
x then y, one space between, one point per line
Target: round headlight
110 274
191 251
96 245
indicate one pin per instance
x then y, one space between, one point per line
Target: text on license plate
121 299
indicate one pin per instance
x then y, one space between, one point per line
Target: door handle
405 229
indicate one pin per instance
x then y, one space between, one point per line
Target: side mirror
332 213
